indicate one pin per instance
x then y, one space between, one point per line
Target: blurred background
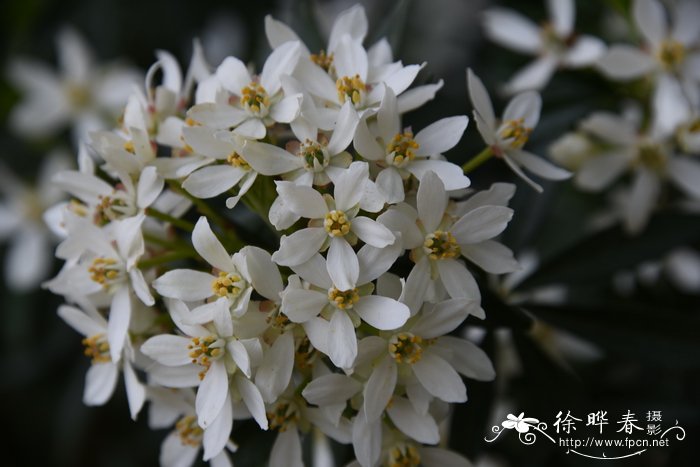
624 336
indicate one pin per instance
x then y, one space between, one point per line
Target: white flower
80 95
254 103
101 377
554 43
507 137
400 154
521 423
27 260
335 224
437 239
669 54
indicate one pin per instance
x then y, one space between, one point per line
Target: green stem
175 244
166 258
181 223
232 240
477 160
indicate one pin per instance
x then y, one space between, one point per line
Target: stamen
323 60
516 131
190 433
204 350
406 348
336 223
671 54
352 88
404 455
105 271
441 245
282 416
234 159
97 348
315 156
254 98
228 285
401 149
343 299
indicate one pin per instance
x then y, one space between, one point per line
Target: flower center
343 299
441 245
204 350
228 285
105 271
255 99
671 54
336 223
190 433
652 157
352 88
109 209
97 348
404 455
323 60
314 155
234 159
406 348
282 416
401 149
516 132
78 95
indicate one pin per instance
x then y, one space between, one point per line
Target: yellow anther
108 209
314 155
97 348
323 60
228 285
236 160
671 54
203 350
404 455
129 146
336 223
401 149
406 348
651 156
352 88
343 299
105 271
282 416
441 245
254 98
516 132
189 431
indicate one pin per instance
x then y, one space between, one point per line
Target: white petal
457 280
264 275
317 331
366 441
276 369
599 172
211 181
518 171
642 198
481 224
278 33
149 187
480 99
670 104
233 75
100 381
610 128
286 452
212 393
350 58
331 389
184 284
512 30
217 116
586 51
432 201
526 106
341 341
300 246
651 20
300 305
388 119
216 436
421 427
372 232
442 135
442 319
350 186
287 109
562 13
366 144
685 172
28 259
399 81
344 129
538 165
317 80
268 159
382 312
168 349
186 376
252 128
303 200
439 378
685 16
491 256
624 62
379 388
80 321
342 264
314 272
417 284
84 186
173 453
402 219
209 247
253 400
438 457
390 183
239 354
451 174
375 261
135 390
532 77
118 324
282 60
417 96
468 359
351 22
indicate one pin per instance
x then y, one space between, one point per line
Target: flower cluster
342 326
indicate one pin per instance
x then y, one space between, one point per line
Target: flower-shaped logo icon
521 424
